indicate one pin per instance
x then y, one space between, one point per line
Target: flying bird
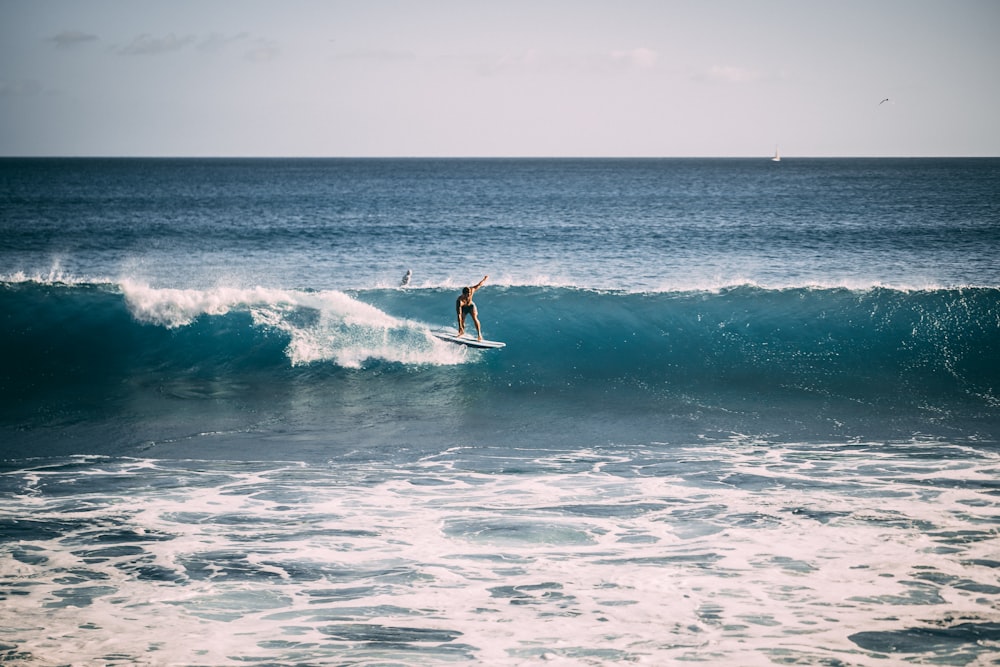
883 101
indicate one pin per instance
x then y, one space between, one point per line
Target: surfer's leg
475 320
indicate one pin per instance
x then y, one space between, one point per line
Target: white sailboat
777 155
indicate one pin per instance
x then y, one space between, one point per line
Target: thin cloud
730 74
70 38
148 45
377 55
526 60
217 42
254 49
490 65
262 50
638 58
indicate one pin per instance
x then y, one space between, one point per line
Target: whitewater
747 412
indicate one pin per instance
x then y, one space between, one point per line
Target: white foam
564 562
55 275
322 326
174 308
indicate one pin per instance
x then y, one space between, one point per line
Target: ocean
747 413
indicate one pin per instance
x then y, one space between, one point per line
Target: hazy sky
499 77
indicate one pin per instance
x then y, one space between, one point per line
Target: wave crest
216 325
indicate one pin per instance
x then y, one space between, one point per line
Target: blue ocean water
747 412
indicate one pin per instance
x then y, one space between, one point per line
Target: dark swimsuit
468 309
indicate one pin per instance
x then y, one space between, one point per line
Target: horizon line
490 157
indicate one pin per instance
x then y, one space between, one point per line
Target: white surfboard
467 340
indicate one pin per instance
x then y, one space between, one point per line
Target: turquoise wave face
578 363
935 340
813 332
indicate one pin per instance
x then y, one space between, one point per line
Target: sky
499 78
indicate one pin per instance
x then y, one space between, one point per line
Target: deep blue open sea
748 412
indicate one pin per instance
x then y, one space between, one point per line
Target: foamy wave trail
69 325
321 326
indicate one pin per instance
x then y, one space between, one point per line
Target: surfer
464 306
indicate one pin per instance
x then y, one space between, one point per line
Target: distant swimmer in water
406 279
464 306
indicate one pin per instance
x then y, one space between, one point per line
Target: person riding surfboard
464 306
